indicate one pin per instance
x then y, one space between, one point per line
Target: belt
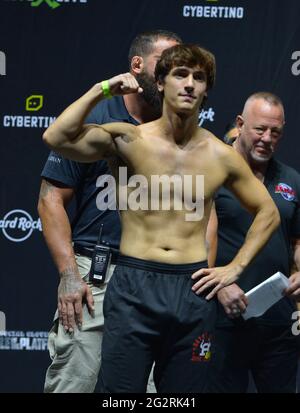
88 252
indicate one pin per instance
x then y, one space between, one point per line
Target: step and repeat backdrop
51 51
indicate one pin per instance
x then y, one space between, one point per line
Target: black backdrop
49 57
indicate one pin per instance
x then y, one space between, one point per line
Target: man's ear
239 122
160 86
137 64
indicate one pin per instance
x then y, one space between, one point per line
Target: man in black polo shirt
264 345
76 351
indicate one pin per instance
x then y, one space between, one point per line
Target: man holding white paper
263 345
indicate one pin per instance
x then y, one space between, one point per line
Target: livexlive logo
17 225
52 4
2 64
296 65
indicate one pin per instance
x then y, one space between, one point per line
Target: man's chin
261 158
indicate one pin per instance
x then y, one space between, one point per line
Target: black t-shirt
283 184
88 181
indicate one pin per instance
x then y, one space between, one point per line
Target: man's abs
163 237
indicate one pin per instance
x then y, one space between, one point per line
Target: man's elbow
277 218
42 207
274 216
48 139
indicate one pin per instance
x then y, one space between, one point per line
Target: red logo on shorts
201 348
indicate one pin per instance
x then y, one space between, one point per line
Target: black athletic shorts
152 315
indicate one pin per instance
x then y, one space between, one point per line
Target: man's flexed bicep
91 144
95 142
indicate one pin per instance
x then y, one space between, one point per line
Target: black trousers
270 353
152 315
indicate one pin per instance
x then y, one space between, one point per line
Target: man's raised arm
87 143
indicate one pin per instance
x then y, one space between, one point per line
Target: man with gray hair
265 345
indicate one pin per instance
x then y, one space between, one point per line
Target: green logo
34 103
51 3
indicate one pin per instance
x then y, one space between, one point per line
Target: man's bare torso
171 226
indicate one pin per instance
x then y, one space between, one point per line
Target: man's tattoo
46 188
70 281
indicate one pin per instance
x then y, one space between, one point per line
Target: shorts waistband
161 267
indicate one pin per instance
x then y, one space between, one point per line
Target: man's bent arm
57 233
254 196
256 199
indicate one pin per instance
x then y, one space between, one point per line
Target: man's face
146 77
261 129
184 88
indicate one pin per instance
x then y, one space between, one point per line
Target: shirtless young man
154 305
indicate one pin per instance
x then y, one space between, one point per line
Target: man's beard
261 158
150 91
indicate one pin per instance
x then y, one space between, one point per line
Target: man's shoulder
122 128
284 175
286 169
221 149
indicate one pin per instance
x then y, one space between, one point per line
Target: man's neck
178 128
139 109
259 169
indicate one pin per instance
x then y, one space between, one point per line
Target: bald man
264 346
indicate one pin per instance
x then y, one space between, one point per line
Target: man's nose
189 82
266 137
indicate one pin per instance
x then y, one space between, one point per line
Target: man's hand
72 290
293 290
217 277
233 300
124 84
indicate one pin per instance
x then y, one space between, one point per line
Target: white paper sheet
265 294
